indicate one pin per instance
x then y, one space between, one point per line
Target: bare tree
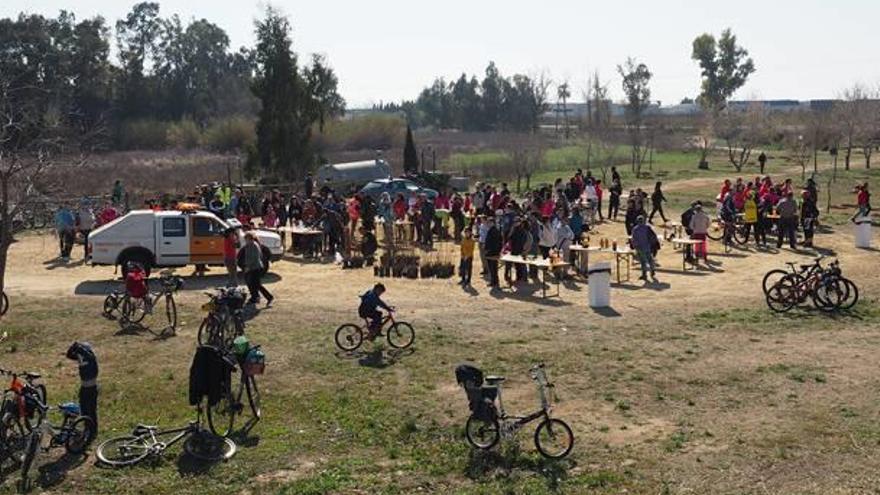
34 138
742 132
541 83
868 127
596 98
563 93
799 151
819 133
635 80
849 115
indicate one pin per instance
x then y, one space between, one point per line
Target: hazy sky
390 49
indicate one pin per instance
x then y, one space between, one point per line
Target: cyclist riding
370 302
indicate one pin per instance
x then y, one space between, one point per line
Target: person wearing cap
84 355
644 241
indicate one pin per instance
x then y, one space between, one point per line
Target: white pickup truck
170 239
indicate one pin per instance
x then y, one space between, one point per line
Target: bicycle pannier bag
255 363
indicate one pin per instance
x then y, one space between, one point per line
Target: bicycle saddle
493 379
142 428
32 376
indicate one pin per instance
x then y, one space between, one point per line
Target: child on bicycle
370 302
136 284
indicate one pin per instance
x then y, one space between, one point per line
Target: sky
388 50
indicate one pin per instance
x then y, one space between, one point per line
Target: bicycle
112 303
134 309
15 409
74 433
224 308
827 288
400 334
149 441
221 416
485 427
772 277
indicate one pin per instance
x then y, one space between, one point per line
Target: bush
184 135
376 131
230 134
142 135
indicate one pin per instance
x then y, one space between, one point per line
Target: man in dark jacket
494 244
427 219
83 354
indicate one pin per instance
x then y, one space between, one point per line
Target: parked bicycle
16 412
150 441
74 433
134 309
225 319
249 361
399 334
488 422
824 286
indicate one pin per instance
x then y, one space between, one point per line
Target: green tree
410 155
136 39
725 67
283 126
322 87
636 78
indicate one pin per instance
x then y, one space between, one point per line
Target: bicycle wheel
171 312
111 304
254 397
133 311
207 447
208 330
4 303
771 278
401 335
554 438
716 231
740 234
81 432
349 337
31 422
780 297
30 453
482 433
852 294
123 451
221 416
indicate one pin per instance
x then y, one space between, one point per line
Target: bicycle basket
254 363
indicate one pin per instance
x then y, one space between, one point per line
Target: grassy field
686 386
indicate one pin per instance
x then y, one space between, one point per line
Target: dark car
394 187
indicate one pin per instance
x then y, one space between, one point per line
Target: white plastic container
863 232
599 276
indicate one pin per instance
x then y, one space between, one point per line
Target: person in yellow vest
225 193
750 215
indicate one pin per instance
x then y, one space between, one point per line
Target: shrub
184 134
230 134
142 135
376 131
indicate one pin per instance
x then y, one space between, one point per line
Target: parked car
170 239
395 186
349 176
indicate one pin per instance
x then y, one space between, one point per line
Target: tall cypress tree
283 125
410 156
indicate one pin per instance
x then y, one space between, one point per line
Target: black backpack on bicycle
481 399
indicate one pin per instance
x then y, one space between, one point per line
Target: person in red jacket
230 256
863 199
399 207
598 186
136 284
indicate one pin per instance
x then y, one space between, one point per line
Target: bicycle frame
539 376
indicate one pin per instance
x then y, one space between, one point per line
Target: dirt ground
689 385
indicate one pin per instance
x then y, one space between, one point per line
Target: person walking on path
85 223
466 267
863 200
644 240
65 223
657 200
253 270
615 191
762 161
787 209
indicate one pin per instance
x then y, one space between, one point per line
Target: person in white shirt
547 237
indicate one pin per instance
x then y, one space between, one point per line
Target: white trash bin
599 276
863 232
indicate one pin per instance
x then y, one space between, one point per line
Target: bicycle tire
403 335
765 285
4 303
209 451
77 440
567 436
111 304
852 294
123 451
171 312
133 312
221 416
32 422
716 231
254 400
207 334
740 235
482 433
30 454
779 298
349 337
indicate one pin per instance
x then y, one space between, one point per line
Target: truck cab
170 239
